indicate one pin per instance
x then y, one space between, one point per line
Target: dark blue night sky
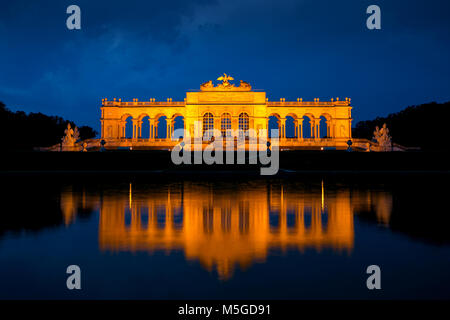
145 49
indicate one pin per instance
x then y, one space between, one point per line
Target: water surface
153 237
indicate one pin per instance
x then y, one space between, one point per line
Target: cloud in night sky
161 49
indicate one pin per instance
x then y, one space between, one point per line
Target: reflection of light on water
130 200
224 228
323 198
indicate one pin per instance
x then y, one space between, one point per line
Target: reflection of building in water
225 228
378 203
74 202
225 225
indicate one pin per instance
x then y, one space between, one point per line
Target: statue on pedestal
71 136
383 138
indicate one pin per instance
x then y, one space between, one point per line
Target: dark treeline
21 131
425 126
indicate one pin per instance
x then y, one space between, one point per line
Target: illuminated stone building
225 107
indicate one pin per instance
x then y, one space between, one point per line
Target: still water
156 237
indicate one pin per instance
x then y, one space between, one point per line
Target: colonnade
137 125
314 130
315 126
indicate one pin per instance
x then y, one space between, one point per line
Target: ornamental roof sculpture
225 85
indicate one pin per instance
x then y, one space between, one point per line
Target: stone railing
142 103
182 103
307 103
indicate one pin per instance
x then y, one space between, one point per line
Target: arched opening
307 127
274 124
323 128
178 123
161 131
225 125
290 127
129 127
145 128
243 124
208 125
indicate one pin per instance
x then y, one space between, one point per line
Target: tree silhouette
424 126
21 131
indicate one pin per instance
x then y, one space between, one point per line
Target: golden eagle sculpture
225 78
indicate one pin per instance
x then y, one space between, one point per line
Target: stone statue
76 134
245 85
68 139
226 85
383 138
225 79
225 82
207 85
71 136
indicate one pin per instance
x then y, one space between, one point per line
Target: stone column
136 128
234 123
333 128
102 128
172 128
283 128
155 130
300 131
122 129
168 128
279 128
251 123
350 128
217 123
151 124
313 126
